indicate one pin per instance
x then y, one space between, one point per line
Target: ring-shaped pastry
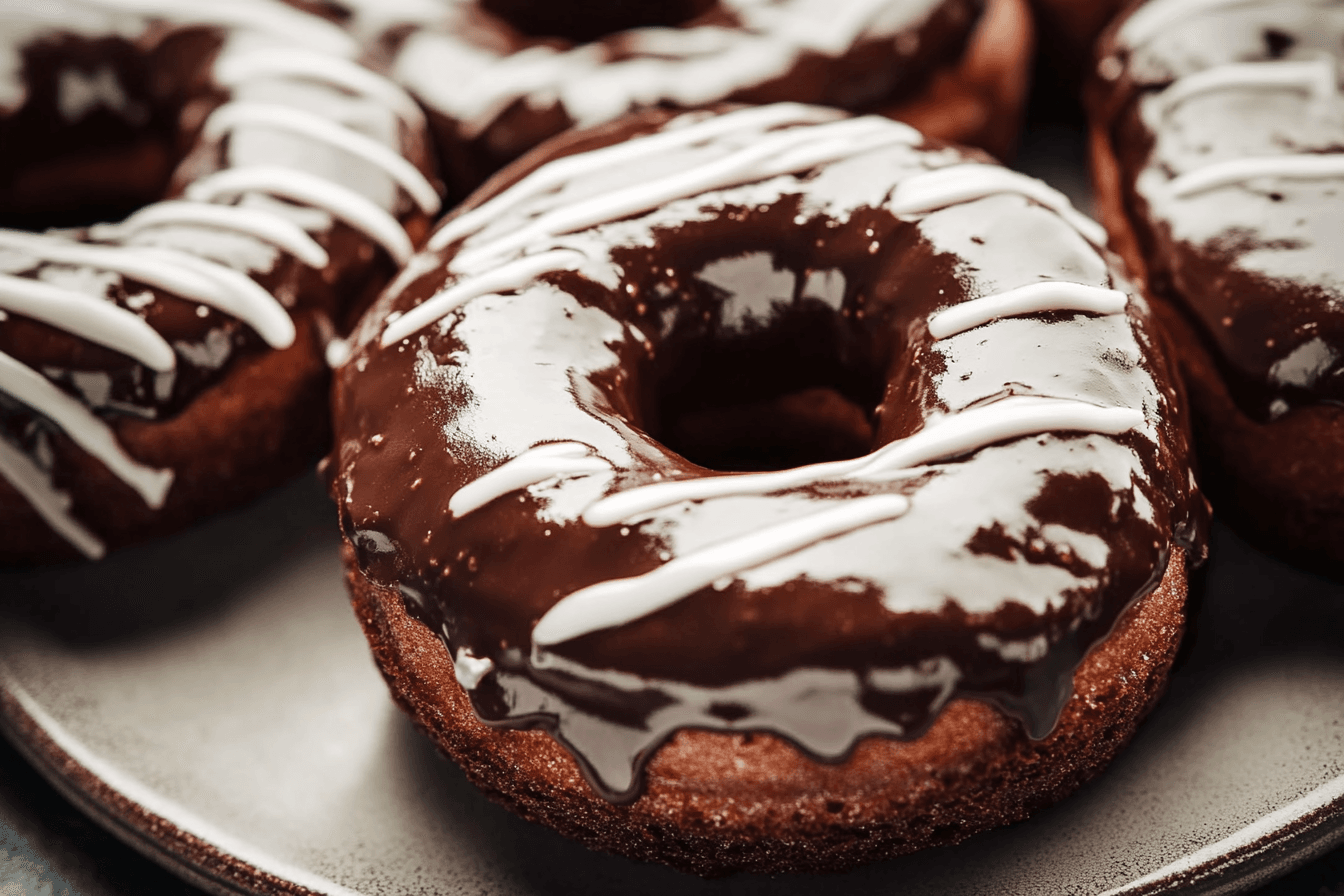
545 436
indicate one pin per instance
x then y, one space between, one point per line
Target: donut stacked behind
499 77
545 441
1217 130
171 365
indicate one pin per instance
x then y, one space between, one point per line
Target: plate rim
188 854
1301 831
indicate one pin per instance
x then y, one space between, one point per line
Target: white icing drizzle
314 50
296 63
503 264
315 127
537 465
689 67
88 317
309 189
951 436
53 506
618 601
264 16
1054 295
1157 16
263 225
86 429
957 184
677 135
177 272
510 276
775 154
1306 166
612 603
237 295
1318 78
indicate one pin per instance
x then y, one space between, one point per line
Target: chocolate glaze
1009 565
582 22
1255 264
475 48
150 82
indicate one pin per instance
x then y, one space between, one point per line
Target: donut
173 364
1216 132
795 653
499 76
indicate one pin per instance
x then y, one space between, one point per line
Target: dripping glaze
589 579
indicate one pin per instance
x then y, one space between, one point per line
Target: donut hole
788 384
775 433
590 20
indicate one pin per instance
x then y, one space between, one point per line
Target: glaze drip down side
975 513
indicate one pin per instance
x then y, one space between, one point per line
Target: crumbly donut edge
718 803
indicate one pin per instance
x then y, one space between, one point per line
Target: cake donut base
717 803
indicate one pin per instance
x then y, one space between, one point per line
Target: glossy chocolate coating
746 299
1256 264
140 88
477 53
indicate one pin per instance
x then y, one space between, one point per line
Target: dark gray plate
210 698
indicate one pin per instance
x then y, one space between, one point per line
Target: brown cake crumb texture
718 803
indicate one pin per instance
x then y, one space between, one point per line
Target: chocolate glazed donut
171 365
500 76
549 523
1217 129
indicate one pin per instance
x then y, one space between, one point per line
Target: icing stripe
234 115
300 186
951 436
184 275
265 226
509 277
1152 19
686 67
555 174
537 465
774 154
619 601
299 64
295 26
1310 166
83 427
1010 418
956 184
240 296
1037 297
53 506
89 317
1317 78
